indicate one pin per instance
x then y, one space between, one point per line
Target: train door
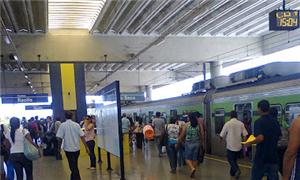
218 121
279 110
173 113
244 112
292 110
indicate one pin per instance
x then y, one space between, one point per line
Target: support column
148 90
215 69
68 89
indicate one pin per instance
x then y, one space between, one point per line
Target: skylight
73 14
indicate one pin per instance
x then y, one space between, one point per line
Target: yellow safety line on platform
219 160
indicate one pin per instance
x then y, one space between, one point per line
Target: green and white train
281 89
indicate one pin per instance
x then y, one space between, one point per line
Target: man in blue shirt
267 133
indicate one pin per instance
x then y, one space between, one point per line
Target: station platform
139 165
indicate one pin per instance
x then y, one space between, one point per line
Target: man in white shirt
125 124
234 131
71 133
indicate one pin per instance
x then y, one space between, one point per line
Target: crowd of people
184 139
277 148
47 136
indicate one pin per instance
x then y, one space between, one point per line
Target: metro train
281 89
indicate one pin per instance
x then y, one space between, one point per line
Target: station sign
38 107
24 98
134 96
283 20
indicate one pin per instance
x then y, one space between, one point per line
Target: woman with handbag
171 134
17 137
193 136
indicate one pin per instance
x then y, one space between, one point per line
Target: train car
281 90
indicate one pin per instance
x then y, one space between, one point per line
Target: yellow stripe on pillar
68 86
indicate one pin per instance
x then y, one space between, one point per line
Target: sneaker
173 171
237 174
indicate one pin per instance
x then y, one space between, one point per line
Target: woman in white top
16 137
172 130
89 135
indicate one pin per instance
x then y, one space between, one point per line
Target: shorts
192 150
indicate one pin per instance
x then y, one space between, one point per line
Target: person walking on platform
193 135
70 132
158 124
201 122
90 140
16 136
171 133
283 140
291 163
266 133
234 131
57 124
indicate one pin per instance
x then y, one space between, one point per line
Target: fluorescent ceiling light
73 14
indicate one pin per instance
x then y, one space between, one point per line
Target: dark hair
274 112
57 119
157 114
264 105
193 120
198 115
233 114
68 115
172 120
14 125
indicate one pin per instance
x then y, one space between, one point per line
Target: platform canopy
147 42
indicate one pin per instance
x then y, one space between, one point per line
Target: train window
219 120
291 112
244 112
279 109
173 113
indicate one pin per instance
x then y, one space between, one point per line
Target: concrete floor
141 165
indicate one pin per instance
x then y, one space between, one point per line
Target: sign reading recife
24 98
284 20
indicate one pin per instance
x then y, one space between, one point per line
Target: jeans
10 170
159 146
91 146
232 157
172 155
259 170
19 162
181 155
73 164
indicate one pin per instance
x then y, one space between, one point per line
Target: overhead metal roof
144 17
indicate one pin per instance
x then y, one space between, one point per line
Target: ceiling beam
100 16
121 6
202 11
239 24
262 21
223 11
152 14
226 20
172 12
29 14
137 9
11 15
192 10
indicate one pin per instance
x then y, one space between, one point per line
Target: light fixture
7 40
29 82
16 58
26 76
21 68
73 14
31 86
